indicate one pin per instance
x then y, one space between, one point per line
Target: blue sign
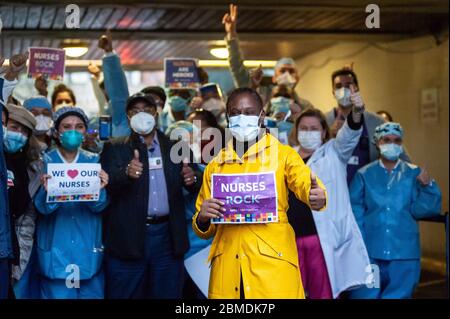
181 73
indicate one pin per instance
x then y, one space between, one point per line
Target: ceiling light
220 53
74 48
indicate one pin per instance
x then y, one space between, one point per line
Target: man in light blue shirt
158 201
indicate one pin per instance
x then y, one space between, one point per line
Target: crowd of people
348 197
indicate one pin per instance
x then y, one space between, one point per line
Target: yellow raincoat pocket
280 254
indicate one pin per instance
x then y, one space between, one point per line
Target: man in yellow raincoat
253 255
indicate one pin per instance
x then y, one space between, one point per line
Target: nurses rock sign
248 198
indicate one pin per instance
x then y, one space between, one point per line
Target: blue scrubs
69 241
387 206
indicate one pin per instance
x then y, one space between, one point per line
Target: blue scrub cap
38 102
389 128
283 61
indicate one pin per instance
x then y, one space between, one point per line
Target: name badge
155 163
354 160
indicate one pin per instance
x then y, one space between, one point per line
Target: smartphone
105 127
210 90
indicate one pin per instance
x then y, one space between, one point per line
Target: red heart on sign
72 173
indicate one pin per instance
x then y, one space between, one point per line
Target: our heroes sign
248 198
73 182
47 62
181 73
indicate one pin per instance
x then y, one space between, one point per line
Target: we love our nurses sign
48 62
181 73
73 182
248 198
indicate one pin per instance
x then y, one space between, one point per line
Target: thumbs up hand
17 63
424 178
188 174
358 104
337 124
105 41
317 197
135 167
356 98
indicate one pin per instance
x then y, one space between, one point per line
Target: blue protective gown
387 206
70 234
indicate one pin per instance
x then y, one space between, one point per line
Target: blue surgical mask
391 151
5 129
14 141
71 140
280 104
270 122
284 126
177 103
342 96
244 127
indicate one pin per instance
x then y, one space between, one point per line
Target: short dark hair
387 114
344 72
62 88
282 90
245 90
206 116
156 90
203 75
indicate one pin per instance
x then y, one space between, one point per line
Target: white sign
73 182
197 267
429 106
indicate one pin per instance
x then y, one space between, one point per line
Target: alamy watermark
373 19
73 279
373 277
205 144
73 16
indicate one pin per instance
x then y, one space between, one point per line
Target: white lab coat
341 240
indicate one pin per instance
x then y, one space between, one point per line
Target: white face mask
43 124
142 123
286 79
310 140
214 104
244 128
64 104
342 96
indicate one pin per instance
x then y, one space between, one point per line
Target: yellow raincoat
265 255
